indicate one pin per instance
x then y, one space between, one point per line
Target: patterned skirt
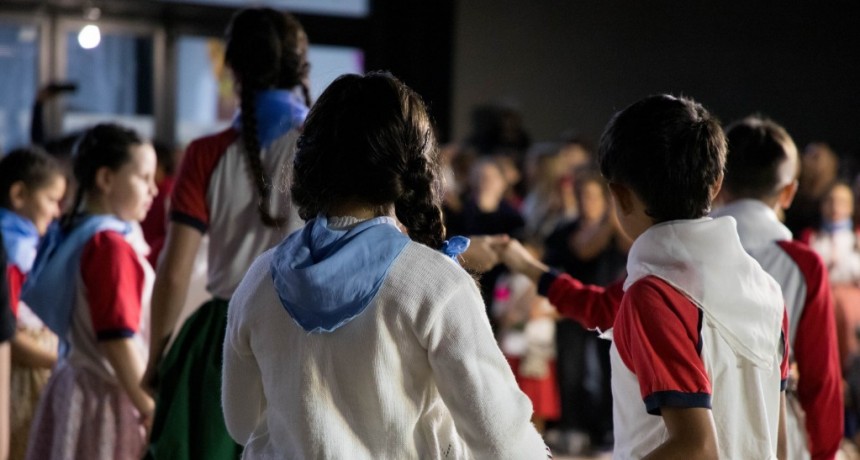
80 415
25 389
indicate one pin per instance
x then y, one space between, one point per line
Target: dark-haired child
698 337
31 188
230 187
91 285
760 181
356 337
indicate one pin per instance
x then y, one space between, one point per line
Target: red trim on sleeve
819 385
657 336
114 279
16 279
188 200
594 307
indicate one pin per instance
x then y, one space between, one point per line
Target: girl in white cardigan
356 337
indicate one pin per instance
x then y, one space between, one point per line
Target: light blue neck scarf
50 288
325 276
278 111
20 238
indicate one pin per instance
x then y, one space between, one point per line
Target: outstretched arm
483 252
594 307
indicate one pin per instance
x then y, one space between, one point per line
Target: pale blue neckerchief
278 111
50 287
20 238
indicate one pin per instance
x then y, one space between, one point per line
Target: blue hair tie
455 246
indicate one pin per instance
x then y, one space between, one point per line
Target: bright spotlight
89 37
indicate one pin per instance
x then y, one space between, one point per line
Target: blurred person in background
550 201
155 225
819 170
486 212
836 241
592 249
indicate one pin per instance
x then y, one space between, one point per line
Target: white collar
703 258
758 224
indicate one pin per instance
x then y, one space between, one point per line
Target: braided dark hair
265 49
105 145
369 139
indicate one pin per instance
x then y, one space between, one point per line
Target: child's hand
483 252
146 409
516 256
519 259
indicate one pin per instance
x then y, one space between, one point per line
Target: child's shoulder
652 291
802 254
213 145
422 267
109 246
108 240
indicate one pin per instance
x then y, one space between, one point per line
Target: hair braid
69 218
252 154
419 207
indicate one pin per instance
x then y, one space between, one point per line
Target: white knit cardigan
416 375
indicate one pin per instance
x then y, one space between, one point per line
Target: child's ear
786 195
717 186
622 196
17 195
103 179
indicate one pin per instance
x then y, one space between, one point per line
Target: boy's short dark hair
668 150
758 150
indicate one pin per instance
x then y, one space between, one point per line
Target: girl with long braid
228 187
356 337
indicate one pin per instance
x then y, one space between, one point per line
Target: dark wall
571 64
413 40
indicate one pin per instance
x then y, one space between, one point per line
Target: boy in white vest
699 352
761 180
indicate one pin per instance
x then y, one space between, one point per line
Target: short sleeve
658 336
16 278
188 199
114 280
7 320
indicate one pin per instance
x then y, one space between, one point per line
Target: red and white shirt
16 278
806 289
114 287
699 325
213 193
